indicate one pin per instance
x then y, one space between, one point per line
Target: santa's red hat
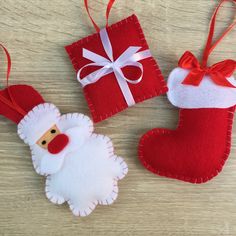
25 106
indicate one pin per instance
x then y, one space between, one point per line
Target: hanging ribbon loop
11 103
8 63
219 72
209 46
130 57
108 10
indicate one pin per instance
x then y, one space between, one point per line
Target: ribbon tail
94 57
194 78
124 89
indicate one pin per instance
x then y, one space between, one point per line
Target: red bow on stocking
219 72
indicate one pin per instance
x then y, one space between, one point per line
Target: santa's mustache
40 155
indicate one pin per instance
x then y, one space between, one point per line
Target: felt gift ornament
115 67
80 166
206 95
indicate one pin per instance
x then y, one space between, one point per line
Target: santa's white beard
84 174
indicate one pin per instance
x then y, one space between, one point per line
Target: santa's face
51 149
53 140
52 136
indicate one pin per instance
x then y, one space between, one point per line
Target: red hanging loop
109 6
12 103
8 62
209 46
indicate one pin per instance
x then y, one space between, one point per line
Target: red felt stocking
197 150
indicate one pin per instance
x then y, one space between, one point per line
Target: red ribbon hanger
11 103
219 72
109 6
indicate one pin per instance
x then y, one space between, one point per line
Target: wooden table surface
35 32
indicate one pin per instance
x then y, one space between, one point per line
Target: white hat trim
38 121
206 95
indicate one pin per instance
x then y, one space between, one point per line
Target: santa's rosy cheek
58 143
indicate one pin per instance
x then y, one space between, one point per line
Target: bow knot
207 70
110 65
219 72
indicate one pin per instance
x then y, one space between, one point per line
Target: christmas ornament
80 166
115 67
197 150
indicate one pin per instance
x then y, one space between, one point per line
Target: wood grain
35 32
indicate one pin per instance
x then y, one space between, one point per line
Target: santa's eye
44 142
53 131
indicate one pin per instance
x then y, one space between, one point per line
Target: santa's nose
58 143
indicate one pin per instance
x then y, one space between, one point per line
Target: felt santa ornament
115 67
206 95
80 166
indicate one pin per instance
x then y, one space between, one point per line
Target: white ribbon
130 57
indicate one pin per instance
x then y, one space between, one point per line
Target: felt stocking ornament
115 67
206 95
80 166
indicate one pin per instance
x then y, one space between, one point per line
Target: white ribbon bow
130 57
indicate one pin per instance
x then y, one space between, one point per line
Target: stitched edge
117 109
112 196
57 199
30 114
62 117
78 115
198 180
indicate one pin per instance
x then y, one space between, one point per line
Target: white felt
86 172
50 165
206 95
37 122
47 163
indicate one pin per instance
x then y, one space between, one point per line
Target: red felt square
105 97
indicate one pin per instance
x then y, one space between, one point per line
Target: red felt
196 151
58 143
105 97
25 96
